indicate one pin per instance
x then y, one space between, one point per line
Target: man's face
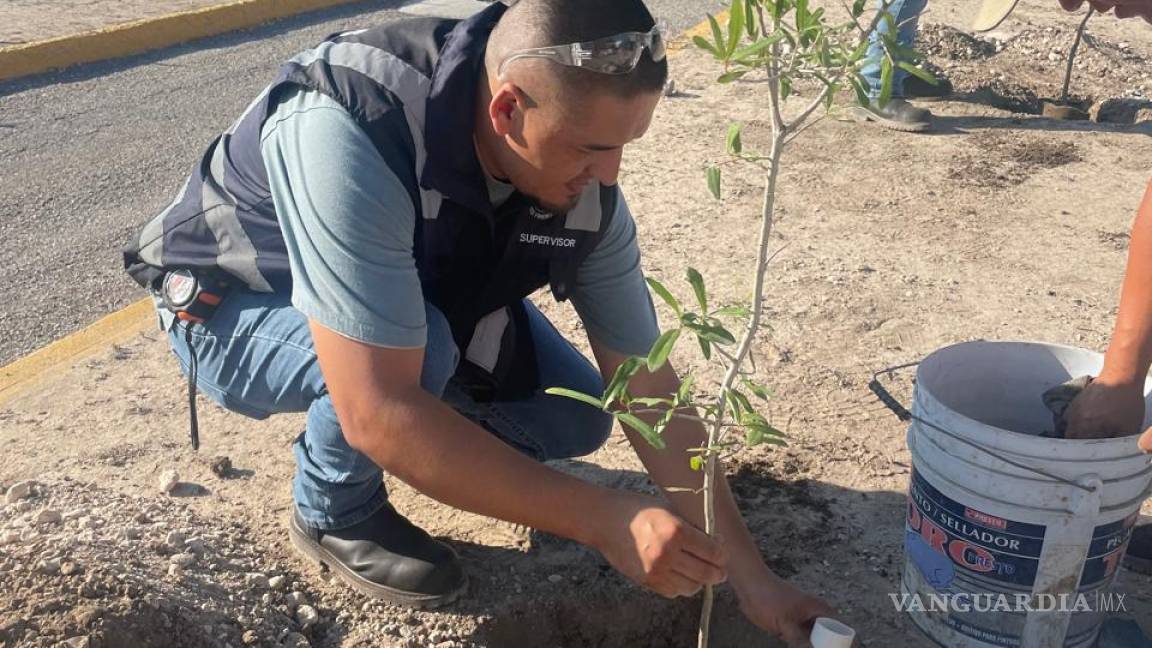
556 151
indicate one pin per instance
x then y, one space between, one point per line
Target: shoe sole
860 114
326 560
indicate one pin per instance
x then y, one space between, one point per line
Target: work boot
385 557
918 89
1139 555
897 114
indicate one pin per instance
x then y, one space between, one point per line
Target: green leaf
733 311
570 393
729 77
713 176
744 402
703 44
734 145
619 382
717 36
785 88
919 72
859 89
696 463
858 8
885 81
651 402
712 332
664 294
685 389
697 281
645 430
750 18
757 47
759 390
735 26
661 348
705 348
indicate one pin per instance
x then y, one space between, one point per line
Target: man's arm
387 415
767 599
1113 405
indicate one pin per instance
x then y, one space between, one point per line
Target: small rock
221 467
47 516
555 578
278 582
10 537
182 559
175 539
168 480
50 566
195 545
78 642
306 616
669 88
256 581
70 567
295 640
175 571
18 491
296 599
131 533
249 637
267 600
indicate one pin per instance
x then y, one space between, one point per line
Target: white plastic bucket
996 553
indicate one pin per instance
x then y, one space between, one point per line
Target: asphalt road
89 154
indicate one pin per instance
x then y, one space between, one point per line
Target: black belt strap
194 425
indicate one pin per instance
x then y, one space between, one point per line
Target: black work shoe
386 557
918 89
1139 555
897 114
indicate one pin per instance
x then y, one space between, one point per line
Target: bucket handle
904 414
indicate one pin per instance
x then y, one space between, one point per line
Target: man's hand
778 607
1123 8
658 549
1105 410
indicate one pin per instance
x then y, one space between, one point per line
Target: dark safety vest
411 86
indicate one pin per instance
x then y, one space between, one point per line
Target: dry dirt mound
87 566
1016 73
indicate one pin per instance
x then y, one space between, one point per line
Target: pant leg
543 426
256 357
906 14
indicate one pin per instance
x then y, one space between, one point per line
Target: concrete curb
148 34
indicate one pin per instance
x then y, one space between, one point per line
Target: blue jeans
256 358
906 14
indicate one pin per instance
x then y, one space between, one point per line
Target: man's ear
506 110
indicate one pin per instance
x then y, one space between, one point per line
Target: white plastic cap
830 633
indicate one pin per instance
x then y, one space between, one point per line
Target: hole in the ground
618 619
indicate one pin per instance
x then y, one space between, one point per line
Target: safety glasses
616 54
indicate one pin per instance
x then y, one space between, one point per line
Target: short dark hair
541 23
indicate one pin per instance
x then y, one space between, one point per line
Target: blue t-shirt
349 226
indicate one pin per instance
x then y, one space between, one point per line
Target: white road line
444 8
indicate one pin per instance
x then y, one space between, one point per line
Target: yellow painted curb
148 34
29 371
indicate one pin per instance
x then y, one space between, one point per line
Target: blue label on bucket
980 546
1107 549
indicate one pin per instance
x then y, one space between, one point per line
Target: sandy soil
1000 225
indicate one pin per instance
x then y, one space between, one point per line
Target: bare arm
1130 351
387 415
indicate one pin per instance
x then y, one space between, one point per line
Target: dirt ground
999 225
